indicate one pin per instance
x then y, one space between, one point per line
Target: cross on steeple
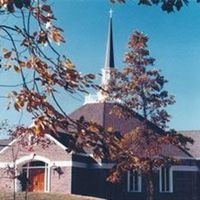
111 12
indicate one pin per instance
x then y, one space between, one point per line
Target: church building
53 169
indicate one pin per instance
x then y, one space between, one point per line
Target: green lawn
44 196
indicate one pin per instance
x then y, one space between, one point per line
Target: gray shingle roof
101 114
4 143
194 149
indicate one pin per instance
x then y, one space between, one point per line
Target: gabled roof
93 112
193 149
53 149
101 114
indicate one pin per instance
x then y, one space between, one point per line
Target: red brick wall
63 183
6 183
52 152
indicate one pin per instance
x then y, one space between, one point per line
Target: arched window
34 164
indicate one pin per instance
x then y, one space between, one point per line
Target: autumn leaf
37 130
110 129
46 8
17 68
42 37
68 64
19 103
6 53
93 128
56 35
22 63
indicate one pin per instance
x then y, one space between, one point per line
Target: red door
36 180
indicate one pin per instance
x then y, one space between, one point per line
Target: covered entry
34 176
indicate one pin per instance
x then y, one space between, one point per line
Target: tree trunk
150 186
26 194
14 192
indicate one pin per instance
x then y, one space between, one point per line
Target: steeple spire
107 69
109 58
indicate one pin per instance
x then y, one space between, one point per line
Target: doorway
36 173
36 180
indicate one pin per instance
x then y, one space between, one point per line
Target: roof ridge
187 131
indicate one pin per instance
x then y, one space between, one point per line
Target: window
166 179
134 181
31 139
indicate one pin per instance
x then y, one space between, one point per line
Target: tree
44 73
32 56
22 145
139 89
166 5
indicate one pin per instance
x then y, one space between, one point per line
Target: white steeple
108 66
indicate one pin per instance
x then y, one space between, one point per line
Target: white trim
81 164
16 181
28 173
8 145
32 157
5 164
45 177
184 168
197 158
184 158
102 166
49 179
78 164
128 181
34 167
139 183
68 163
84 154
56 141
65 148
50 163
60 163
170 181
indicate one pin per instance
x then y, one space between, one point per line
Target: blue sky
174 42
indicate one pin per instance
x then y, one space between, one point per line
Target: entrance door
36 180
